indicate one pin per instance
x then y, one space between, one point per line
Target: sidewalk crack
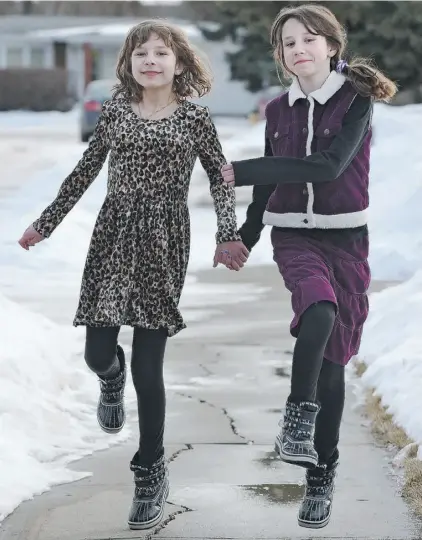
176 454
208 372
169 519
225 413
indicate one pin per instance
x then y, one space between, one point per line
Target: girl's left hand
228 174
232 254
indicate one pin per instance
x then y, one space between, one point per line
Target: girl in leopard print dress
138 256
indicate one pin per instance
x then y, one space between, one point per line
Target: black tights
148 348
315 378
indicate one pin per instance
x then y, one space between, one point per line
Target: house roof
18 28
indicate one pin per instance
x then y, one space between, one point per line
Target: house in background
88 47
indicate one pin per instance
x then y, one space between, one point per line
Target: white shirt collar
332 84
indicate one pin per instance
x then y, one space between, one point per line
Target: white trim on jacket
320 221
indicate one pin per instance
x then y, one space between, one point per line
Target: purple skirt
321 267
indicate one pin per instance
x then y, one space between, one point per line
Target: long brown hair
195 79
319 20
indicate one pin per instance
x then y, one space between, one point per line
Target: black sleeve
250 231
319 167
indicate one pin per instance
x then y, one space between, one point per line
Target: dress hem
172 330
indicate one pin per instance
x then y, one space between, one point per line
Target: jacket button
304 130
326 131
276 134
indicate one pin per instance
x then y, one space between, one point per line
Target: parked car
95 94
264 97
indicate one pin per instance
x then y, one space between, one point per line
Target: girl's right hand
30 237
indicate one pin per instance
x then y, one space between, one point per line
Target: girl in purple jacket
312 188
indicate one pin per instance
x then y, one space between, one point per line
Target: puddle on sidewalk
276 493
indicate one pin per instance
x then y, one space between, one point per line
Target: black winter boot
151 492
315 509
295 442
111 410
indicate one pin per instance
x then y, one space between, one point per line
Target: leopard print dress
138 255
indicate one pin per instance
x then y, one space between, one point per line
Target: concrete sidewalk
227 379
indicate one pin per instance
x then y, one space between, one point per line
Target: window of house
36 59
14 57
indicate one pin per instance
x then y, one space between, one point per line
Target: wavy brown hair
319 20
195 79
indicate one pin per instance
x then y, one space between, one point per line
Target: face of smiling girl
306 55
154 64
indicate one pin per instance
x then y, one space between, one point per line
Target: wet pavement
227 380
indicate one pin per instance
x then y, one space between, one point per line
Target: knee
321 314
325 309
99 359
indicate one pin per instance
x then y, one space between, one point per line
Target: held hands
232 254
228 174
30 237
